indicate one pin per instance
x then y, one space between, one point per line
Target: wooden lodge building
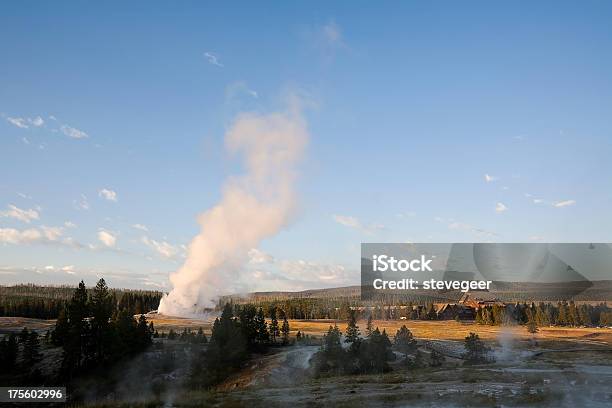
466 307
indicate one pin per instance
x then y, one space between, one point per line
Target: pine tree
352 332
475 350
101 309
8 352
405 342
573 314
369 326
76 333
248 325
285 327
226 351
171 334
143 333
201 337
59 334
436 358
584 315
263 336
532 327
274 330
31 349
431 312
127 339
563 316
374 352
331 340
24 335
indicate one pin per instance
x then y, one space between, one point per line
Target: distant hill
591 291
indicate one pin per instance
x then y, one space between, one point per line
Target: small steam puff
253 206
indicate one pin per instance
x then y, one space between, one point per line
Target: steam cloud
254 206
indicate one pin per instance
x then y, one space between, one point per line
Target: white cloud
313 271
163 248
19 214
257 257
19 122
347 221
25 123
52 233
488 178
140 227
37 121
538 201
500 208
107 238
73 132
352 222
212 59
566 203
107 194
14 236
81 204
31 235
69 224
69 269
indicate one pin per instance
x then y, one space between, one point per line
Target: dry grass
422 329
16 324
164 323
452 330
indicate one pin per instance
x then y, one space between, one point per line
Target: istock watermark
446 272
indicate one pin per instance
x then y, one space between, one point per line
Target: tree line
94 332
371 354
235 335
546 314
360 355
46 302
341 309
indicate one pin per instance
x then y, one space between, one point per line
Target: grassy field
422 329
452 330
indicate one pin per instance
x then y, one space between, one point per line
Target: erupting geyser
253 206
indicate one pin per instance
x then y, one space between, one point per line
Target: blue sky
428 122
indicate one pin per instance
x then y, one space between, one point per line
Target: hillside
594 291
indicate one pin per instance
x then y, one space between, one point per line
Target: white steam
254 206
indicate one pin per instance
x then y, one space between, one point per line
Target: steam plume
254 206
